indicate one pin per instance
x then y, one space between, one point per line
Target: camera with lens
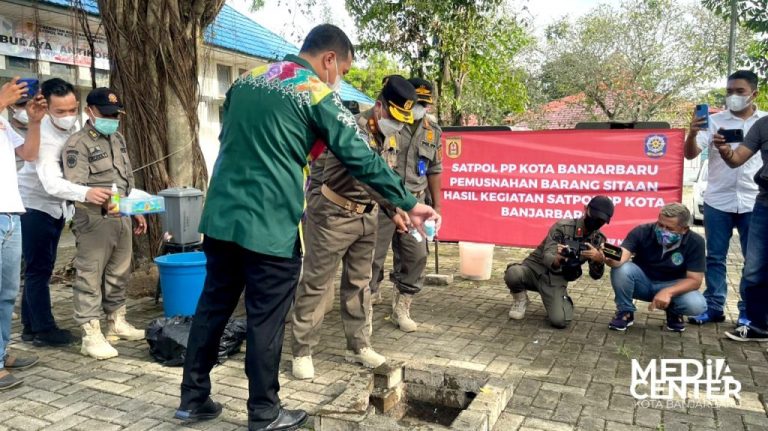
571 266
573 248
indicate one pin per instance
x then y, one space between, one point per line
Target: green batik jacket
272 117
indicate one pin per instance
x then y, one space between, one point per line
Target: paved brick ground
576 378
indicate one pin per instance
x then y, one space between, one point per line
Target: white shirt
41 183
729 190
10 200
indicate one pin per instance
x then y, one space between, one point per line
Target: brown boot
401 312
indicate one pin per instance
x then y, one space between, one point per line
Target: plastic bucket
475 260
182 276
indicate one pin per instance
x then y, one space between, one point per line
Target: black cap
423 89
105 100
400 97
601 207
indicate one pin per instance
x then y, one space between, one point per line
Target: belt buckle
360 208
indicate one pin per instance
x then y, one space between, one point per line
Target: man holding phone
730 193
755 274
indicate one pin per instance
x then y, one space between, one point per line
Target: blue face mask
106 126
665 237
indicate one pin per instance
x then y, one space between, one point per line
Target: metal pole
732 41
437 257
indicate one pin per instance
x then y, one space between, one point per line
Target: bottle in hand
114 200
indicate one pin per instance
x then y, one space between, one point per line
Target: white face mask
389 127
21 116
64 123
336 84
737 103
419 111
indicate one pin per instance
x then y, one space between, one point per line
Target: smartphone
732 135
702 111
611 251
33 86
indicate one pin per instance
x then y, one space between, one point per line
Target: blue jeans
40 233
755 273
630 282
718 229
10 275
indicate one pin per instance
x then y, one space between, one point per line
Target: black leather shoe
287 420
53 338
27 335
208 410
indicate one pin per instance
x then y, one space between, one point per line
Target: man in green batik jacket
272 117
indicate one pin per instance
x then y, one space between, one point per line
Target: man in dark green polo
272 117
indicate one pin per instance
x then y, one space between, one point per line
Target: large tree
451 42
752 15
638 60
153 49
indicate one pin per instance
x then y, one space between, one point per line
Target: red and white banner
508 188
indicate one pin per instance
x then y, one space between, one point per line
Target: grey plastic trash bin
183 207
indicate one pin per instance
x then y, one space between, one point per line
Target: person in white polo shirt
11 144
730 194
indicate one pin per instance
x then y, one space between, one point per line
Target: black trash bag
231 339
167 339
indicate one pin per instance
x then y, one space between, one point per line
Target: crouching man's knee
560 314
514 277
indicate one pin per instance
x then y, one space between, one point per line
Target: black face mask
592 224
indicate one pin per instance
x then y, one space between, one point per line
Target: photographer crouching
558 260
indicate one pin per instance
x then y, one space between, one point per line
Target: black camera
573 248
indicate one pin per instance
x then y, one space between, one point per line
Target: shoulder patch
72 156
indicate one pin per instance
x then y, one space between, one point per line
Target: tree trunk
153 48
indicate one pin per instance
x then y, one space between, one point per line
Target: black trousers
40 235
270 283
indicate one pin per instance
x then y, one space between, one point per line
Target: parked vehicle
699 187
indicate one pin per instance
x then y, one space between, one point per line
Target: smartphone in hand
702 111
33 86
732 135
612 252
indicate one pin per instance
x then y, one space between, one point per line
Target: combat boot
118 328
366 357
401 312
303 368
519 304
94 343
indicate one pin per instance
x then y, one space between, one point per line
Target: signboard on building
56 45
508 188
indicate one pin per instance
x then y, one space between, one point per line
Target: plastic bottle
115 201
429 229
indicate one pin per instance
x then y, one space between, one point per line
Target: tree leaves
638 60
467 47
